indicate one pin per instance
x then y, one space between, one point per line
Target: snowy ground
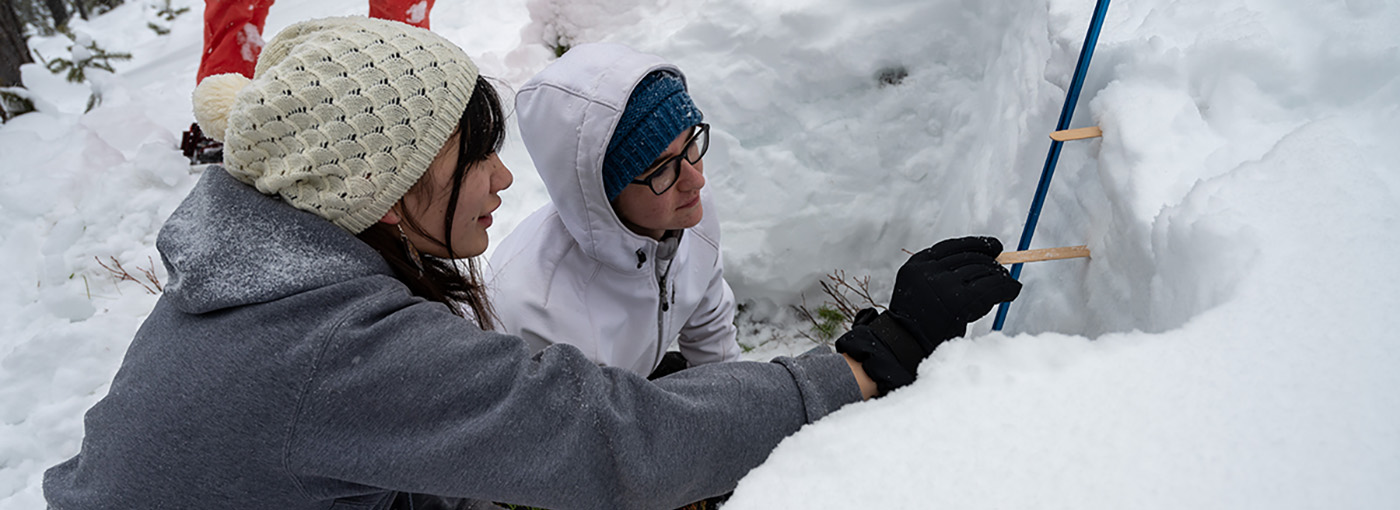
1226 347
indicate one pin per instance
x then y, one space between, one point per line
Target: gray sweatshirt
286 368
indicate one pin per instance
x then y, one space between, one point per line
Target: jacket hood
567 115
228 245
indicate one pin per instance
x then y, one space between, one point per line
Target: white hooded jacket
572 272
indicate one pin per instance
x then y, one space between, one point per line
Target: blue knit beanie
658 110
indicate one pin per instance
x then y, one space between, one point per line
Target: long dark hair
482 131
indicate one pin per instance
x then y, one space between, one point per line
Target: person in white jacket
625 260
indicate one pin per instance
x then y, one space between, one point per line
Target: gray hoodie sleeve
406 395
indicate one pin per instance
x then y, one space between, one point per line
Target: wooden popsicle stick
1076 134
1065 252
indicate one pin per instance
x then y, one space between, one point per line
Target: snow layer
1226 346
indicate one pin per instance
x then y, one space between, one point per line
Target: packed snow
1225 347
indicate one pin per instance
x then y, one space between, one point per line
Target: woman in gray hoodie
316 347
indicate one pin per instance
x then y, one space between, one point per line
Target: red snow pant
233 30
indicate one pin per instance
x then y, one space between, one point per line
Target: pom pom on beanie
658 111
342 116
213 99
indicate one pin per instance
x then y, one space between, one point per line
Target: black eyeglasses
661 176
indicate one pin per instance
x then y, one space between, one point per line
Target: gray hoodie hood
213 265
567 116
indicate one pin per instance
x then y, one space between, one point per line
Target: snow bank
1230 206
1281 397
78 191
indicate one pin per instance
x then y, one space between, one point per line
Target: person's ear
390 218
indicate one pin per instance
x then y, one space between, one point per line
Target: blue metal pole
1071 99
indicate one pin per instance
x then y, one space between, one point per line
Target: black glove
937 293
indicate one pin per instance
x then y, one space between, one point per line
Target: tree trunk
59 12
82 9
14 51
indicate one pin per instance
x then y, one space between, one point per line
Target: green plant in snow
847 297
85 54
829 321
168 14
560 48
557 39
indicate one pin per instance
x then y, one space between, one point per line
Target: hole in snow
893 75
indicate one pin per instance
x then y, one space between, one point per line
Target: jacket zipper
661 309
661 323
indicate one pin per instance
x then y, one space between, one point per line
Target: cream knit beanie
342 116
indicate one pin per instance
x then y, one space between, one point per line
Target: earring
410 251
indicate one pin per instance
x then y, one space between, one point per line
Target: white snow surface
1225 347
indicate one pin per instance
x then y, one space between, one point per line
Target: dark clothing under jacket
286 368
